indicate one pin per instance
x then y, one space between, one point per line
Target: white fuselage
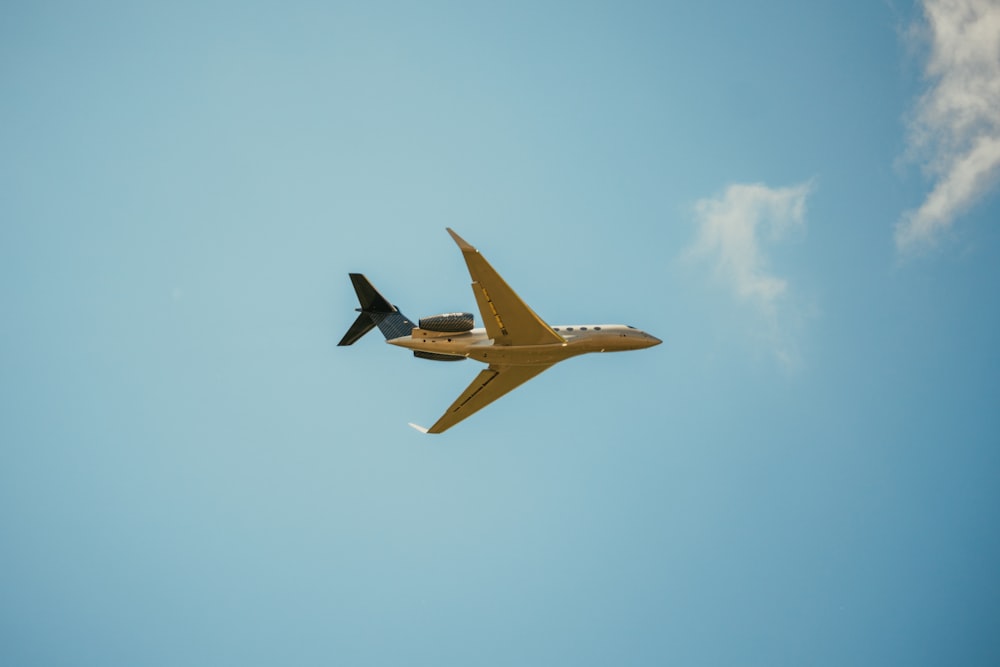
475 344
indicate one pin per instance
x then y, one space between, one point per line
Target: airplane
514 342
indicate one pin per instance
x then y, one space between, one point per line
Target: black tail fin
375 311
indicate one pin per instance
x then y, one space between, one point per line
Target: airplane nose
653 340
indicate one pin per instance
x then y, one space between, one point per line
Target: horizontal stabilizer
361 326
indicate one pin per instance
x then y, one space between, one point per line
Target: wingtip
462 243
418 427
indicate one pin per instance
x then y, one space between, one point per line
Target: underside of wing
508 319
488 386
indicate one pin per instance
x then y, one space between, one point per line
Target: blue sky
800 199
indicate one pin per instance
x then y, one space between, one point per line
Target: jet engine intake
447 322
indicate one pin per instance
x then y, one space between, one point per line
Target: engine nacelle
447 322
434 356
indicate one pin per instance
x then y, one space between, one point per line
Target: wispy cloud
735 231
955 130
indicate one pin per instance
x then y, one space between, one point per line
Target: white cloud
730 234
734 231
955 131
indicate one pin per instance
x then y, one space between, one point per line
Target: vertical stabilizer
375 311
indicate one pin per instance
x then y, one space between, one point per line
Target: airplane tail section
375 311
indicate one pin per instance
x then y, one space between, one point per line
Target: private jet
514 342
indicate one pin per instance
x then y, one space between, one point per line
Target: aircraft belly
522 355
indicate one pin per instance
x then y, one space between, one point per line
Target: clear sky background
799 198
